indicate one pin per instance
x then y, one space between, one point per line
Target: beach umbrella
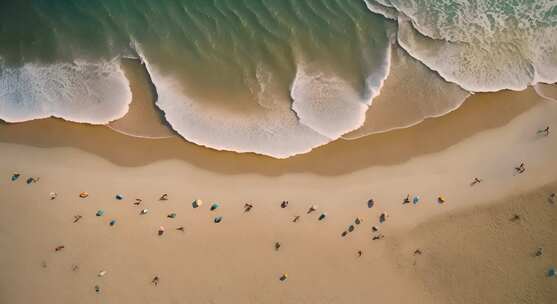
112 223
214 206
100 212
172 215
83 194
322 216
416 200
551 272
119 197
15 176
218 219
144 211
161 230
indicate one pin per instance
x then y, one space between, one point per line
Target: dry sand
471 251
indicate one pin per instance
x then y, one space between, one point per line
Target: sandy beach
478 246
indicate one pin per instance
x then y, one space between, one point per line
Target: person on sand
52 195
163 197
76 218
58 248
311 209
284 204
161 230
475 181
370 203
406 200
359 253
155 281
539 252
32 180
515 218
374 229
15 176
247 207
277 246
552 198
296 218
382 217
417 252
75 267
137 201
544 131
97 289
181 228
378 237
520 169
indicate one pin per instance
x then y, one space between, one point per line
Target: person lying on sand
539 252
76 218
58 248
137 201
32 180
515 218
544 131
417 252
181 228
378 237
520 169
284 204
359 253
475 181
247 207
296 218
277 246
155 281
311 209
163 197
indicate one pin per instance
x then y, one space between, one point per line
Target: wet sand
467 243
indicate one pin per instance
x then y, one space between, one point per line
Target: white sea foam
272 129
480 45
95 93
323 107
411 93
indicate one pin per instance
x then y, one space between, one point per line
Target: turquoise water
271 77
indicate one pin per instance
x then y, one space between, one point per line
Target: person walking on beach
520 169
544 131
475 181
155 281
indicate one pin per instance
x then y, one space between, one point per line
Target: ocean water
272 77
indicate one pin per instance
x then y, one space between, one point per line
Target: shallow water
271 77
